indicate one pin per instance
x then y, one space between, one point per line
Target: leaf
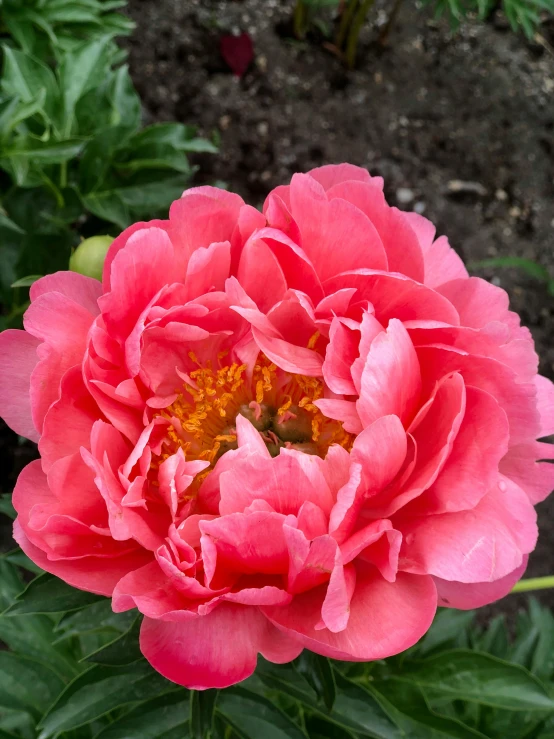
98 616
447 627
252 716
542 664
26 282
99 691
177 135
495 640
479 678
6 505
80 71
354 709
26 684
10 225
537 271
48 594
25 77
152 719
123 650
317 670
43 152
406 704
125 100
202 707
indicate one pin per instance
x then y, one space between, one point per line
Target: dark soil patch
432 108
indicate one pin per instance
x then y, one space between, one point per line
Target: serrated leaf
48 594
317 670
123 650
99 691
152 719
479 678
252 716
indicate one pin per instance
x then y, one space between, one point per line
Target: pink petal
326 226
466 596
472 466
118 244
76 410
480 545
207 270
18 359
530 466
216 650
138 271
391 380
399 240
545 404
333 174
82 290
385 618
96 575
395 296
442 264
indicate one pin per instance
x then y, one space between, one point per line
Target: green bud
88 258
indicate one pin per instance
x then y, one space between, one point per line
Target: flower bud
88 258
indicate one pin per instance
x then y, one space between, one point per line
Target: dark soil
432 108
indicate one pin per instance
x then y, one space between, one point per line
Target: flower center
280 405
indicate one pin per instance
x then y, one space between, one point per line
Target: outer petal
82 290
216 650
545 404
96 575
480 545
18 359
476 594
385 618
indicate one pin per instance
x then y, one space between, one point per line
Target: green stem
357 23
345 20
534 583
299 19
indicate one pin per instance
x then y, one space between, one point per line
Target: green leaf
97 616
495 639
318 672
43 152
153 719
26 684
202 707
446 628
252 716
25 77
6 505
479 678
125 100
10 225
97 156
123 650
406 704
537 271
81 71
48 594
542 664
26 282
99 691
354 709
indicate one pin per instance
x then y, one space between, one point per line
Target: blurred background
109 109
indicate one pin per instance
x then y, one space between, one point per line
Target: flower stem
355 28
534 583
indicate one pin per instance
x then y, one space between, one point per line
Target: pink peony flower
301 428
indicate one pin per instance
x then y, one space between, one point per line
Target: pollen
280 405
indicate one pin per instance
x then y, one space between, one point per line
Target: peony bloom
298 429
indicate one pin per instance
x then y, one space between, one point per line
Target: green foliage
74 671
349 17
75 160
532 269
